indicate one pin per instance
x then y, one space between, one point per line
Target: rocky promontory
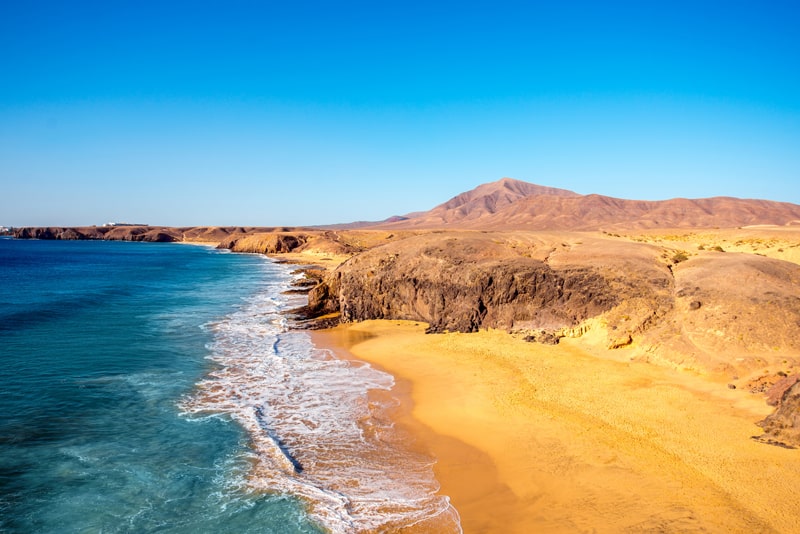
115 233
461 284
466 281
128 232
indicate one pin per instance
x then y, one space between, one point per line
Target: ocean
152 387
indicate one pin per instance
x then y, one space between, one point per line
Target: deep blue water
158 388
99 342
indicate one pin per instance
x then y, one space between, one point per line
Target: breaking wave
318 430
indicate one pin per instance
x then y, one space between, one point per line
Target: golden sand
534 438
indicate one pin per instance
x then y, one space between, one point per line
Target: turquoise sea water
156 388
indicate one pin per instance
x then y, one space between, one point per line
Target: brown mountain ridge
509 204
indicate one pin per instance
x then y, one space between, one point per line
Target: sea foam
317 430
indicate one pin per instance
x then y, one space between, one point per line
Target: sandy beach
536 438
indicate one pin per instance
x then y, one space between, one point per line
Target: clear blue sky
295 112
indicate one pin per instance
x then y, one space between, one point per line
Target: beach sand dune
536 438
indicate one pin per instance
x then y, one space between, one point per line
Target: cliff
465 281
117 233
728 314
159 234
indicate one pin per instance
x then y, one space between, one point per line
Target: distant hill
164 234
513 204
362 224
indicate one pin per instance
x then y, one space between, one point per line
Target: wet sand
566 438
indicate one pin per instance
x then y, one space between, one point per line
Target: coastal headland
575 363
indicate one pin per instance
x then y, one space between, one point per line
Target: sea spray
315 431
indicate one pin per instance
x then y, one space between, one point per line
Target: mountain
513 204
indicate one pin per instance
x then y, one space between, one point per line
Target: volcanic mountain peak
513 204
493 196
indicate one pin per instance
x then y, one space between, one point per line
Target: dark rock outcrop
110 233
34 233
267 243
782 428
461 283
228 235
778 390
545 337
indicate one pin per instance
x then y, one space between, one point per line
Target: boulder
782 427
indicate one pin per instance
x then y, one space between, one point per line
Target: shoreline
574 437
457 464
553 438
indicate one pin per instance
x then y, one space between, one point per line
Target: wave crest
317 429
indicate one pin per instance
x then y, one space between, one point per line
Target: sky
300 113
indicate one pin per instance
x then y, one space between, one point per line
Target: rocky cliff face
115 233
229 235
465 282
339 243
723 313
267 243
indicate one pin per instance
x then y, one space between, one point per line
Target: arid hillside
676 300
728 314
512 204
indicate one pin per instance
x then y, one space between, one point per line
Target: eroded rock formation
462 283
113 233
162 234
783 426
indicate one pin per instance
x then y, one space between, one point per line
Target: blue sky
290 113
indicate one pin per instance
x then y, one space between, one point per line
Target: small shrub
679 257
